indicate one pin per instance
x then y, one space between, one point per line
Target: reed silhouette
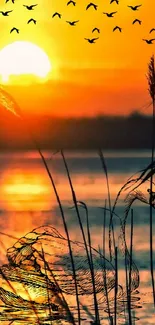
53 267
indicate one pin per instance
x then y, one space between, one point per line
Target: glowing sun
23 57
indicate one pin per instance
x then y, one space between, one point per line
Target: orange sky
86 79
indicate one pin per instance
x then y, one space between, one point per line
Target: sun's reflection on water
27 200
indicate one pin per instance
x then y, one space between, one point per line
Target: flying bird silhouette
134 7
137 21
149 41
91 4
91 40
5 13
116 1
110 14
96 29
56 14
13 1
117 27
31 7
71 2
31 20
72 23
14 29
152 30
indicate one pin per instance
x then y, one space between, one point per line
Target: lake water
27 201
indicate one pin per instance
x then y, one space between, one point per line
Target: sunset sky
107 77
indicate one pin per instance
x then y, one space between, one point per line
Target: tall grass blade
104 226
109 200
127 287
90 259
130 265
105 286
49 304
61 299
116 288
104 269
151 89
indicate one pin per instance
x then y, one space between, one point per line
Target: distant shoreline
109 133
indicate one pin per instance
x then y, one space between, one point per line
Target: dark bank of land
116 132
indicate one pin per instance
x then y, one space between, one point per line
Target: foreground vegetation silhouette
44 267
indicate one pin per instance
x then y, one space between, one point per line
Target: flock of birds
6 13
73 23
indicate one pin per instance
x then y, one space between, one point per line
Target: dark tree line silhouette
107 132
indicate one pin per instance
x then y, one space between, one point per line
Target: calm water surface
27 201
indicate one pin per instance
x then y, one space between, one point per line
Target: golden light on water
26 191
